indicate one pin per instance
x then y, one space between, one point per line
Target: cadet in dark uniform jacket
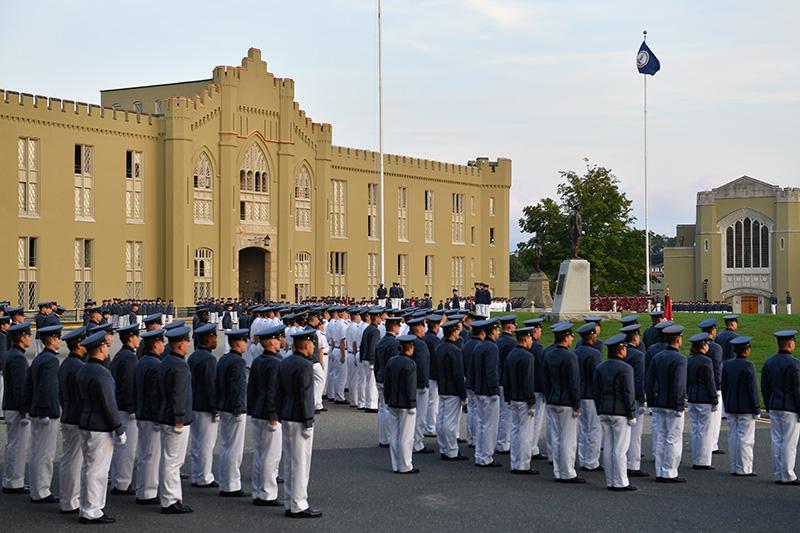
709 326
387 347
659 345
69 466
366 350
740 394
538 384
231 389
151 323
452 392
505 343
123 370
518 391
400 396
476 337
204 428
148 403
432 339
422 361
636 359
650 335
18 424
485 382
703 401
780 387
590 434
724 338
5 323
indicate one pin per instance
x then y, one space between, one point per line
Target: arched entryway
254 275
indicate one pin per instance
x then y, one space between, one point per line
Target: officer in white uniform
703 401
400 397
740 393
69 466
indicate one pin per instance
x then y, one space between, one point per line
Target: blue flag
646 61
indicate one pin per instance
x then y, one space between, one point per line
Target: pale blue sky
545 83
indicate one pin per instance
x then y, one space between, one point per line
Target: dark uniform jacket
519 376
433 341
381 293
98 408
650 336
588 358
450 370
68 390
369 341
724 339
538 355
505 343
739 387
483 375
715 354
635 359
296 390
3 349
422 360
231 384
175 384
665 384
400 383
203 367
614 390
562 378
467 353
123 370
262 387
780 383
387 348
227 320
700 386
148 396
40 398
14 373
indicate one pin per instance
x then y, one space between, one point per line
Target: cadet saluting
69 466
203 366
740 394
18 424
400 395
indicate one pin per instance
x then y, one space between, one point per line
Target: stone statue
575 230
537 257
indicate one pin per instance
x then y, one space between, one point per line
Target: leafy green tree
517 270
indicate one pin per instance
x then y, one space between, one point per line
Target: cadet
780 386
296 412
505 343
538 386
452 392
148 403
387 348
175 384
518 391
400 396
262 389
69 466
724 338
485 383
615 399
151 323
123 370
99 421
562 389
629 320
703 401
709 327
422 361
740 393
432 339
231 390
650 335
205 422
477 335
635 358
5 323
17 422
369 341
665 387
589 355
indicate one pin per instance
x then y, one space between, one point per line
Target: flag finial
645 33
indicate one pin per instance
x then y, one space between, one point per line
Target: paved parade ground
352 482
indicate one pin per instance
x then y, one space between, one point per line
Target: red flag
667 307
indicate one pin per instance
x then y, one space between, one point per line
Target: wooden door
749 304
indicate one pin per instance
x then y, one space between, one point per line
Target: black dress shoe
234 493
370 410
718 452
412 471
341 402
577 480
670 480
176 508
751 474
459 457
425 451
184 476
637 473
461 441
538 457
71 511
308 513
47 499
793 482
382 445
430 435
628 488
120 492
279 479
595 469
702 467
19 490
105 519
503 452
258 502
148 501
211 485
531 472
490 465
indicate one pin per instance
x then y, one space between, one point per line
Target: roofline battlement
359 154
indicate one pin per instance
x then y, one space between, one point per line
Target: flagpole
380 139
646 199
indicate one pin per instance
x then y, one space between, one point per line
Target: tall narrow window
302 200
338 208
429 274
134 181
457 274
372 274
472 235
472 205
491 267
472 271
84 261
254 187
430 234
203 273
729 246
491 206
747 250
756 244
765 247
458 218
28 176
84 182
203 192
134 262
402 269
402 214
491 236
27 263
372 210
738 243
337 271
302 276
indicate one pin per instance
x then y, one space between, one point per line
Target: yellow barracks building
223 187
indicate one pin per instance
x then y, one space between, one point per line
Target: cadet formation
133 418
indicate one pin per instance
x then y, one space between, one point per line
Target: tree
657 244
517 270
610 242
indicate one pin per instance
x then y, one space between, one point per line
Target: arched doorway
254 273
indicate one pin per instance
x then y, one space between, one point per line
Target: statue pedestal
573 293
539 291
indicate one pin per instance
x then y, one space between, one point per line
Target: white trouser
319 385
773 308
616 437
716 423
433 407
488 414
169 319
635 447
397 303
381 302
149 459
2 385
204 436
370 387
354 381
44 435
401 438
700 418
538 421
668 437
419 424
472 418
788 309
785 431
231 441
69 467
741 438
125 454
267 441
503 426
589 435
173 453
447 424
383 417
97 448
521 435
331 372
296 465
340 380
564 439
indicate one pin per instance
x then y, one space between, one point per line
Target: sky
545 83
